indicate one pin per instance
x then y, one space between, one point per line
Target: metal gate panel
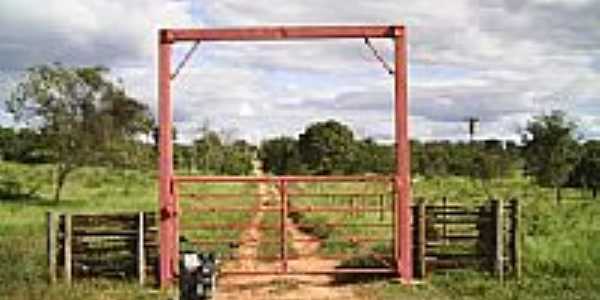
265 225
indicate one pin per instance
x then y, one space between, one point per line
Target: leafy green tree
81 115
434 161
238 159
327 147
490 165
370 157
281 156
587 171
209 152
550 149
214 154
7 138
417 151
463 155
22 145
184 157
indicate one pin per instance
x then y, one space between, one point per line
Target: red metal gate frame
167 202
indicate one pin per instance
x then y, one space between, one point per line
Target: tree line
73 117
331 147
549 151
212 153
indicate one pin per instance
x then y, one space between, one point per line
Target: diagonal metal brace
185 59
378 56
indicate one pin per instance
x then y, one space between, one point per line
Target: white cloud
84 32
500 60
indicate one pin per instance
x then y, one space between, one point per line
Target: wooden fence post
381 208
67 247
497 216
141 257
421 240
515 241
445 217
51 245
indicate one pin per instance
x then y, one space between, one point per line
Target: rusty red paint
220 196
336 209
283 33
325 195
300 256
274 179
273 227
340 224
230 226
225 209
167 236
312 272
401 179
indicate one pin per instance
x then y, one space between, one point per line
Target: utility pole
473 121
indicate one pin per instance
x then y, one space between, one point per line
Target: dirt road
267 287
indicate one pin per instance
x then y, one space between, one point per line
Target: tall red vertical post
165 192
403 239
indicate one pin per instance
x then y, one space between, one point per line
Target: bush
19 183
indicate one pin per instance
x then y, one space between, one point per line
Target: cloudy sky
502 61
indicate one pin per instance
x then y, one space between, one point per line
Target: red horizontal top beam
279 33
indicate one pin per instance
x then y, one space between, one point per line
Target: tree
434 159
22 145
218 153
208 149
281 156
238 159
491 164
587 171
462 162
327 147
370 157
550 150
184 157
81 116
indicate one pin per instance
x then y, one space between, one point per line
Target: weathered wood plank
105 233
452 213
515 248
51 245
141 258
497 209
457 221
421 238
68 270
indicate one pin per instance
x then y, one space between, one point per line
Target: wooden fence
484 237
122 245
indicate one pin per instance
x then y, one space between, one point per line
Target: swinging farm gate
399 191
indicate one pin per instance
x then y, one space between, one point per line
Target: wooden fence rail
122 245
456 236
125 245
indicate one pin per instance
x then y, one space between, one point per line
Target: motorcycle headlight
191 261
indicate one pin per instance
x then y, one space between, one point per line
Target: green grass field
192 218
561 246
22 228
